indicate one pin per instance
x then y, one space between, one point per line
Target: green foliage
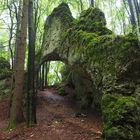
61 91
54 74
4 63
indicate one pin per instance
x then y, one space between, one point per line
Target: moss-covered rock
105 68
119 117
92 20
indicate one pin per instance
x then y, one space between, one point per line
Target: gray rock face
56 25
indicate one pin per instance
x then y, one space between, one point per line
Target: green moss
92 20
119 133
119 116
103 53
61 91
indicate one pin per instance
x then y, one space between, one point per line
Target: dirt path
58 118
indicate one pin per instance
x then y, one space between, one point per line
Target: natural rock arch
106 67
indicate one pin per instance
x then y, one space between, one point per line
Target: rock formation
105 68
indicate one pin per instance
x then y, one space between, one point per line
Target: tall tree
11 29
81 5
31 95
16 114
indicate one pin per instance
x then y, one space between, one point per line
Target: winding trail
59 118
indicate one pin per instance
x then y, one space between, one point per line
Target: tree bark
31 94
47 71
46 74
16 113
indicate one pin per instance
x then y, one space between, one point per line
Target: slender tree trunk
132 16
16 113
92 3
31 95
11 34
43 76
81 5
40 77
137 8
46 74
47 71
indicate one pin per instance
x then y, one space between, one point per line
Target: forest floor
58 117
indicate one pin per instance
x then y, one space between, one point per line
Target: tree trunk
81 5
137 8
16 113
46 74
132 16
18 12
43 77
40 77
47 70
92 3
31 95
